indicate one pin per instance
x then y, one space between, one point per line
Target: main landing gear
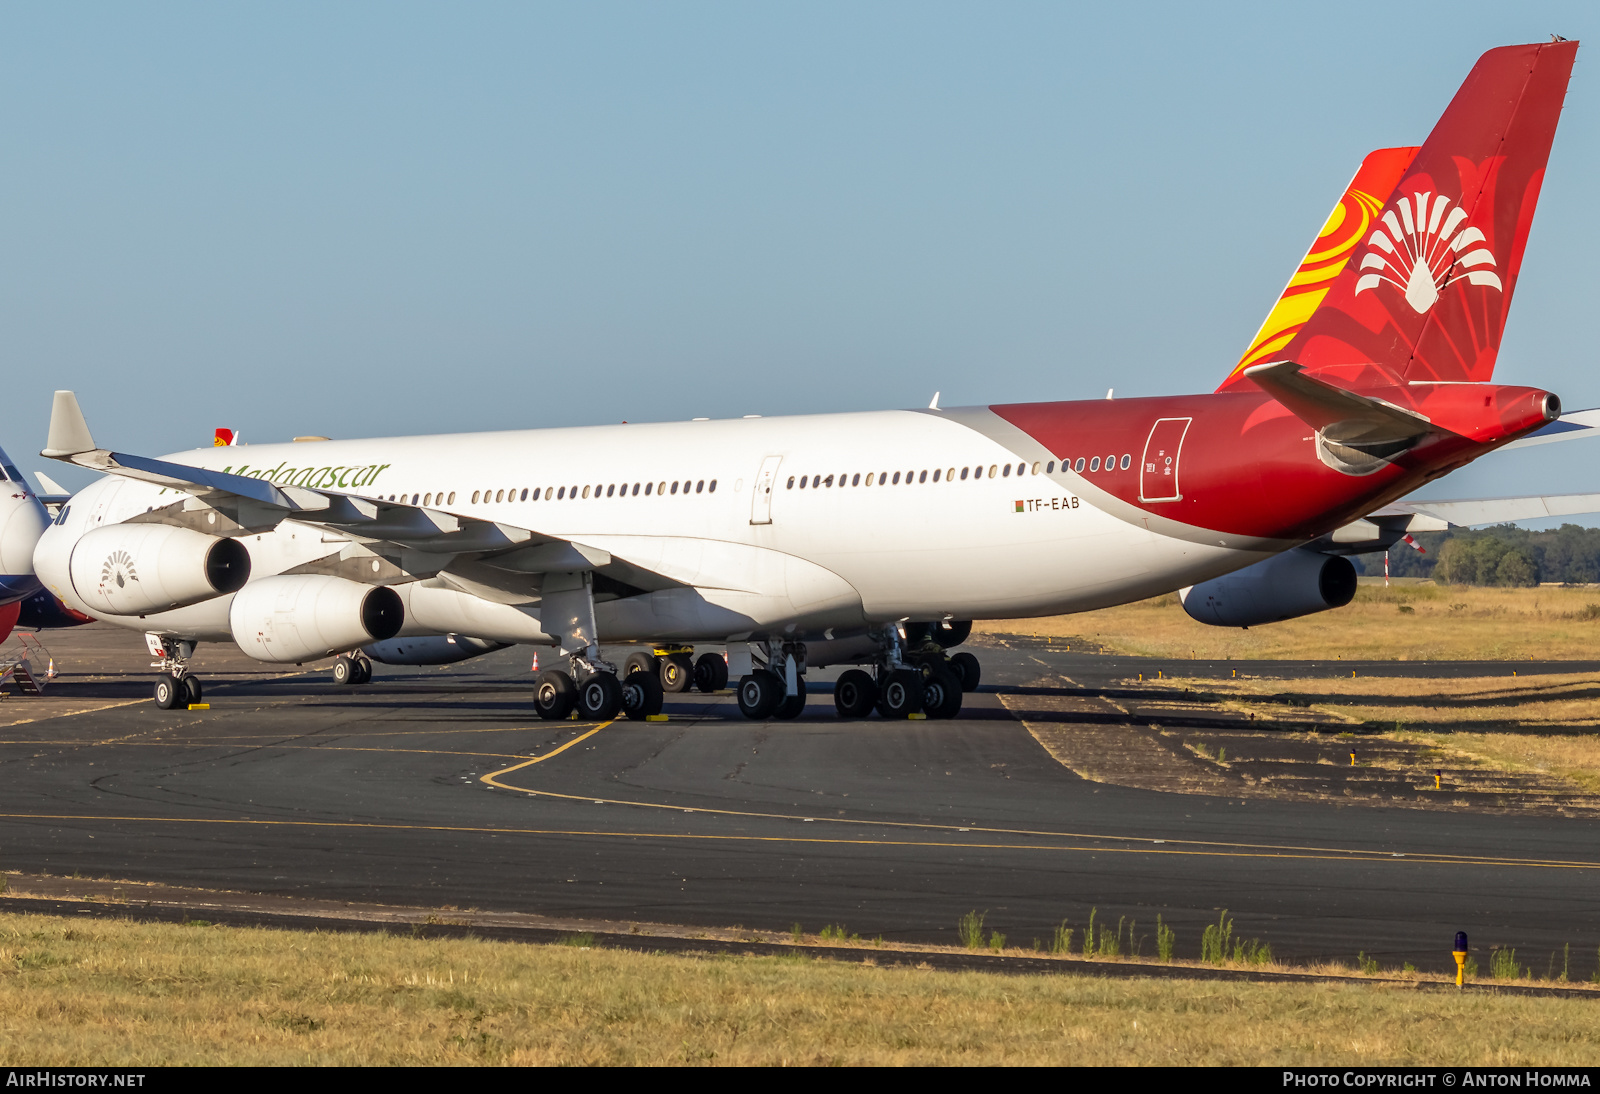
175 686
593 690
910 675
677 668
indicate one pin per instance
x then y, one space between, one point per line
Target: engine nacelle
288 619
136 569
430 649
1295 583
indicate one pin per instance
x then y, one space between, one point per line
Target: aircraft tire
365 668
192 691
759 694
677 672
168 691
640 662
345 672
599 697
710 673
901 694
967 670
641 694
555 695
941 695
854 694
791 706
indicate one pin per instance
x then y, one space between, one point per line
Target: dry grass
1443 623
1515 723
110 993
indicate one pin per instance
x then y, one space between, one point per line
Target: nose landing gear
175 686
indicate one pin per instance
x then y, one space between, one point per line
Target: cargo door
1158 474
761 500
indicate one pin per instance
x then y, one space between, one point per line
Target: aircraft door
761 501
1158 473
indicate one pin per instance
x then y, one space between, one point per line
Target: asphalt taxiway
439 787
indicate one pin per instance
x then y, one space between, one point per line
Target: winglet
69 433
50 485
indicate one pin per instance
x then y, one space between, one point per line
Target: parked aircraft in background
867 539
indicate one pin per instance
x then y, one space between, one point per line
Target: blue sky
362 219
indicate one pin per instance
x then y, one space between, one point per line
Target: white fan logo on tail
1421 252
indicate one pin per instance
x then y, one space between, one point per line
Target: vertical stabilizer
1427 294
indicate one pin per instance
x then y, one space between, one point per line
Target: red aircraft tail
1427 297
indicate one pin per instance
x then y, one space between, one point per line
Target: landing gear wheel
710 673
790 706
854 694
345 671
169 691
967 670
192 692
641 694
640 662
599 697
555 696
941 695
677 671
365 668
759 694
901 694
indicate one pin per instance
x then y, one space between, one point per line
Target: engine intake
138 569
304 617
1295 583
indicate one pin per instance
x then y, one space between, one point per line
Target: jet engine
136 569
1295 583
303 617
430 649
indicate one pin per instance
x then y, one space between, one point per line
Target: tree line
1501 555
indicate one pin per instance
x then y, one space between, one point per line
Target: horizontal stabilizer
1321 405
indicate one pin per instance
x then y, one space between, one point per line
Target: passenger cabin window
1126 460
1079 465
1094 464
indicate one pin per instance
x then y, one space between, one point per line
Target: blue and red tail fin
1427 294
1344 230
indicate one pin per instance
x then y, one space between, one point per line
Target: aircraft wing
1465 512
388 542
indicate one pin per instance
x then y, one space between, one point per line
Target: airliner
864 539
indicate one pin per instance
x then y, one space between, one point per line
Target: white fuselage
689 501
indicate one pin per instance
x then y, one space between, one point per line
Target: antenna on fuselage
933 404
1110 391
